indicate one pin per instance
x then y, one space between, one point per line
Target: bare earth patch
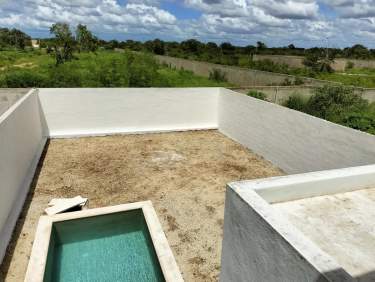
183 174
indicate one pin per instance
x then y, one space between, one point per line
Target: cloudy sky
336 23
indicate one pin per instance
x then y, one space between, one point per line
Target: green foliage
142 69
101 69
318 62
218 75
296 102
333 102
337 104
257 94
64 42
22 78
349 65
14 38
85 39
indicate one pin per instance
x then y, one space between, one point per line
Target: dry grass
183 174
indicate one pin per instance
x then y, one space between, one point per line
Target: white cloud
277 22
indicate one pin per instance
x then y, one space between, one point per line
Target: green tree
85 39
64 42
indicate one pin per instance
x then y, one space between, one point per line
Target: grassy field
355 77
101 69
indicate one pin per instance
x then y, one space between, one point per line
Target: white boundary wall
21 145
89 112
262 244
294 141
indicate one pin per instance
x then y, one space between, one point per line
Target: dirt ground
183 174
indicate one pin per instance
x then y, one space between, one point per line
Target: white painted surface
81 112
261 245
342 225
260 242
21 144
300 186
291 140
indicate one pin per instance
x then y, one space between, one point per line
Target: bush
65 75
299 81
143 70
333 102
22 78
295 102
337 104
258 95
218 75
349 65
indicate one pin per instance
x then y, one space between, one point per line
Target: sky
305 23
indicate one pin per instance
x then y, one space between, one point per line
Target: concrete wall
9 96
260 244
80 112
294 141
279 94
297 61
21 144
237 76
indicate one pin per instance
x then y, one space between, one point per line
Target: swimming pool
120 243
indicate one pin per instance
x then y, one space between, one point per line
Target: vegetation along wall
294 141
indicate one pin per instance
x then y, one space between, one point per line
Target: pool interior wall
114 247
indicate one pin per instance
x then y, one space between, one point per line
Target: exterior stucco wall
294 141
80 112
254 250
279 94
236 75
297 61
21 144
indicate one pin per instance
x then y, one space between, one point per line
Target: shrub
22 78
218 75
349 65
143 70
258 95
65 75
295 102
299 81
333 102
337 104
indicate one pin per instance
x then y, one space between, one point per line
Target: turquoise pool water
115 247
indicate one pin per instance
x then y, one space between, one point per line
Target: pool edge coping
38 259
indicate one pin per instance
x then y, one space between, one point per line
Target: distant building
35 43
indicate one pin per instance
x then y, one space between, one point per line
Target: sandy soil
183 174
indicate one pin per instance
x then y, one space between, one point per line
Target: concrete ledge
261 243
38 259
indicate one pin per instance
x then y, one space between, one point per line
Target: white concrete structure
294 141
286 242
88 112
38 260
21 145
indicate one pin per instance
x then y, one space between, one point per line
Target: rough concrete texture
279 94
297 61
238 76
253 250
8 96
183 174
342 225
294 141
